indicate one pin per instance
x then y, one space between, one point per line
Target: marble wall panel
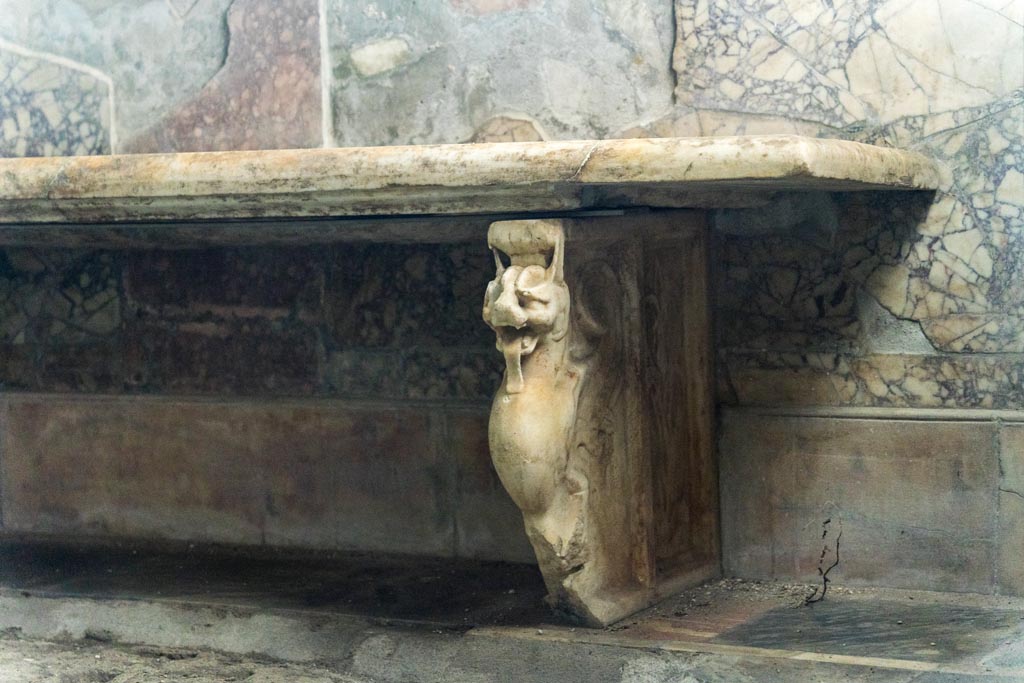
914 499
49 107
847 63
155 54
367 321
182 75
909 277
311 473
266 95
439 71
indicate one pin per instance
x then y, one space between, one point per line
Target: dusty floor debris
94 617
24 660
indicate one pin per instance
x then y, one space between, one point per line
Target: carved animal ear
499 264
489 297
556 269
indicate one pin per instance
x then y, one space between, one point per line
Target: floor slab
205 615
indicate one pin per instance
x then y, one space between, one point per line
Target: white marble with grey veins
944 77
847 62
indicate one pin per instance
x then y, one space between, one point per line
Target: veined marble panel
944 77
847 63
800 378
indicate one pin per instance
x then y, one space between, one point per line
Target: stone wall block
914 499
315 474
1010 567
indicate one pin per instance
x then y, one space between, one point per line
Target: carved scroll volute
532 418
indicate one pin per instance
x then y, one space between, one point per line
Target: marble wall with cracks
945 77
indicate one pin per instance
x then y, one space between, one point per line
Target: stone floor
131 615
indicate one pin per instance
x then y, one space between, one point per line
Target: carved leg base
601 429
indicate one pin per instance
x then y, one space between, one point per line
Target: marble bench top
447 179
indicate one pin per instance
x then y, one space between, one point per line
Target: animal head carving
527 303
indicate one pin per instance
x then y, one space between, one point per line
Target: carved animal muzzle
507 311
526 302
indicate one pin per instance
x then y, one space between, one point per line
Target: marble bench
602 429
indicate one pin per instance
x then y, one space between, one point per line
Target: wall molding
882 413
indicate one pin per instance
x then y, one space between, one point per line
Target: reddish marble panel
267 94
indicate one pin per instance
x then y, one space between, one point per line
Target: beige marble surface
448 179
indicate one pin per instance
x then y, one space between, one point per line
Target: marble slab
448 179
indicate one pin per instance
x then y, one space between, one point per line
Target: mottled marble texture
437 71
156 53
265 96
184 74
50 108
349 321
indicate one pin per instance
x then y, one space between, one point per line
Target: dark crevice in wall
672 53
225 28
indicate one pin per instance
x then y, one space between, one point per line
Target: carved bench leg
568 426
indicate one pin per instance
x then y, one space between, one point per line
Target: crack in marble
996 12
182 11
586 158
1015 99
